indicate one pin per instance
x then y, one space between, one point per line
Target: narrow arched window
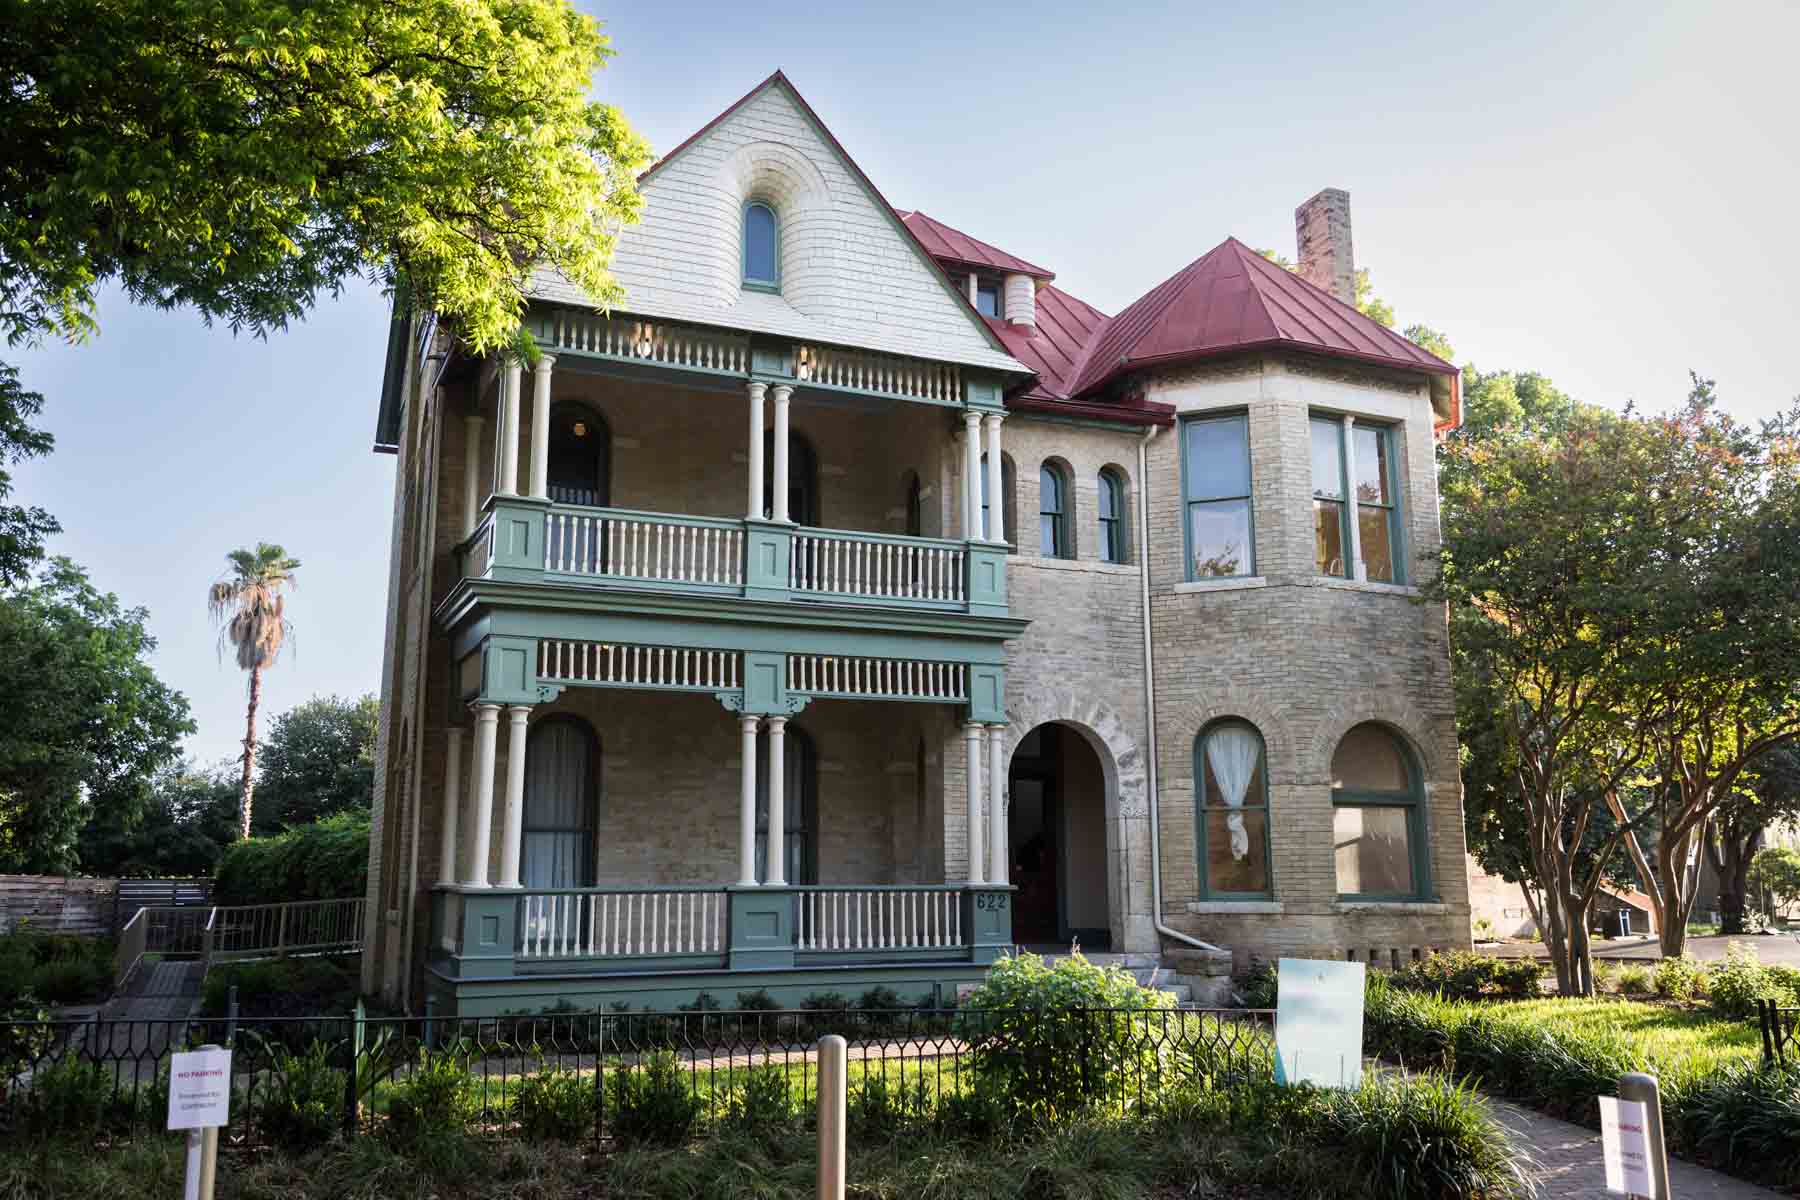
1111 504
1053 513
799 808
562 798
915 506
579 466
1378 817
762 259
1231 777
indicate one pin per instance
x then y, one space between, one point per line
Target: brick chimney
1322 229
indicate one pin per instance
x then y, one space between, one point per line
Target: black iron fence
307 1079
1780 1032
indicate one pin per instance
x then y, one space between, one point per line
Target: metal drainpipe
1143 548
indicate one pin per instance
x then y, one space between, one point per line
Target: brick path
1571 1167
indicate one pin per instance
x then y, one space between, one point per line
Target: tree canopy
88 724
243 156
191 816
22 529
318 759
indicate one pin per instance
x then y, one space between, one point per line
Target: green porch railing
532 540
491 933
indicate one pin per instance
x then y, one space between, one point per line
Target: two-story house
851 604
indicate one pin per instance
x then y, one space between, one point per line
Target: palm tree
247 604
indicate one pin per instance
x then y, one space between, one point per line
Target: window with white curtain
1232 777
562 800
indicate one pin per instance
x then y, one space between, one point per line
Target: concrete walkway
1770 948
151 1014
1571 1166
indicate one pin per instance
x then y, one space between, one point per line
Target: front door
1031 837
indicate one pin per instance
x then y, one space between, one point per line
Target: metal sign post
832 1084
200 1102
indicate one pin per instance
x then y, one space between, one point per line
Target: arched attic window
762 247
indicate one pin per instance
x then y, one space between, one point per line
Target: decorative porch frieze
610 664
877 678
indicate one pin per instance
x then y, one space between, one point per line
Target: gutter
1143 549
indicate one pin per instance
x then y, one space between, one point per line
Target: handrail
639 514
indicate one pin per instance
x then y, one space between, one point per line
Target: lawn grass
1686 1040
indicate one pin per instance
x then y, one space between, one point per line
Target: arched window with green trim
1231 777
1378 817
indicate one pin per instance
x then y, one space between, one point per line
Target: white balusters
850 564
661 549
622 924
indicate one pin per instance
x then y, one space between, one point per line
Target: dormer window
987 297
762 262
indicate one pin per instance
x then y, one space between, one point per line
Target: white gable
848 275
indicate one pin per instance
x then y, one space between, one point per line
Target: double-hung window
1053 514
1216 481
1347 459
1111 497
1378 818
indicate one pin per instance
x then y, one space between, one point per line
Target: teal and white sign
1319 1022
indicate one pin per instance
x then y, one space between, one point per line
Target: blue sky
1605 194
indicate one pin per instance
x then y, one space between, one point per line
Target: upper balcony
643 457
534 541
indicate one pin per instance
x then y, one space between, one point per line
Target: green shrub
827 1002
22 1042
1634 980
1734 986
437 1098
1787 980
327 860
1421 1136
299 1103
879 1109
1746 1118
73 1097
652 1103
1465 975
558 1105
979 1114
1606 977
73 980
761 1104
1677 978
757 1001
1261 986
283 987
1042 1037
704 1002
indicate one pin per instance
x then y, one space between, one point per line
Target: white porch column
540 427
776 870
508 466
747 804
512 821
756 449
487 732
471 472
972 737
998 871
996 481
1357 569
972 477
451 803
780 392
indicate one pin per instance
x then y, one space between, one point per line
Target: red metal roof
952 245
1232 299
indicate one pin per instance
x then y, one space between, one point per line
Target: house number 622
989 903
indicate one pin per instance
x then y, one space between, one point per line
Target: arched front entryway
1057 836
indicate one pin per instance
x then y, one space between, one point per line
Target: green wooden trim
509 671
1201 809
479 607
654 518
987 694
1187 524
985 584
